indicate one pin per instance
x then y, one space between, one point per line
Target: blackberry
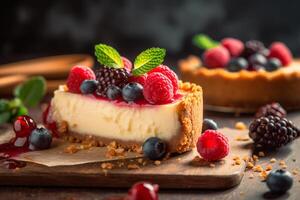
271 109
110 76
252 47
272 132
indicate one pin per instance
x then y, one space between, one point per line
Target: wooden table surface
248 189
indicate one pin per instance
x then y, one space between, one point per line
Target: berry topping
217 57
282 52
257 60
168 73
154 148
113 92
132 92
143 191
158 89
88 86
40 138
234 46
272 132
273 64
237 64
110 76
213 145
274 109
23 126
279 181
127 64
209 124
252 47
77 75
139 79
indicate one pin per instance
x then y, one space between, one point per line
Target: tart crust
244 91
190 114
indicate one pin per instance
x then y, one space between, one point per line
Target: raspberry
281 51
77 75
127 64
110 76
138 79
158 89
271 109
234 46
217 57
212 145
272 132
165 70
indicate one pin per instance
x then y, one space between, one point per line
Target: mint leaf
4 105
108 56
32 91
148 60
4 117
204 42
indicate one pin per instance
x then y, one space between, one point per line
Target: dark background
37 28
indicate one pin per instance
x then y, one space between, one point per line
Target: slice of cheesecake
89 117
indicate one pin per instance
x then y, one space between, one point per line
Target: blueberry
40 138
154 148
237 64
209 124
113 92
88 86
279 181
132 91
257 59
273 64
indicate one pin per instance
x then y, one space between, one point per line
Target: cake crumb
255 158
106 165
283 166
295 172
263 175
240 126
222 162
140 160
282 162
212 165
251 176
250 165
258 168
242 193
238 162
71 149
269 167
261 154
133 166
273 160
157 162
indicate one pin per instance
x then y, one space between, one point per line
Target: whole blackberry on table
271 109
107 76
272 132
254 46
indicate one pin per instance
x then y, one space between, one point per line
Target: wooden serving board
177 172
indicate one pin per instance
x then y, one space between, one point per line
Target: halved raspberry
217 57
158 89
127 64
77 75
281 51
165 70
213 145
234 46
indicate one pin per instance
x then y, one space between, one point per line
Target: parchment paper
55 156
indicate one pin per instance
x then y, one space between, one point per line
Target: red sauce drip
49 124
13 164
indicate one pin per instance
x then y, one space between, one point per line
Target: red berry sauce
49 123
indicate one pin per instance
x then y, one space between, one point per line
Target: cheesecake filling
89 116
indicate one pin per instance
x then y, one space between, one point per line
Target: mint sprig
148 60
28 94
108 56
204 42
